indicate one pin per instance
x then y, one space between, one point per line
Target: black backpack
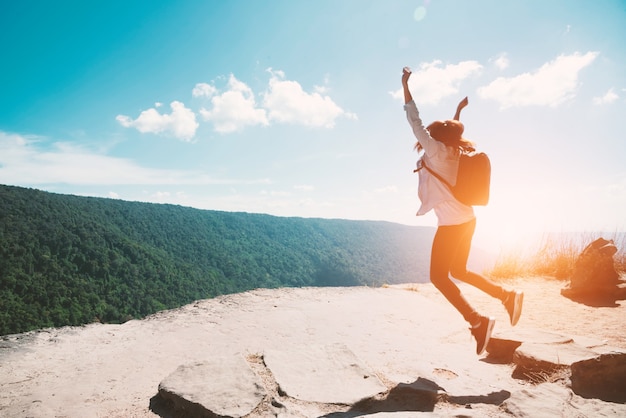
472 179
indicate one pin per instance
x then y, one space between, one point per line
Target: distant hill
69 260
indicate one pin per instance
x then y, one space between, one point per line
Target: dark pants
450 251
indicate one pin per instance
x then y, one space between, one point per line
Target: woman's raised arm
460 107
406 73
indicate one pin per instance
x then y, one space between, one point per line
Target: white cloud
608 98
234 109
231 110
321 89
29 161
287 102
181 123
26 161
203 90
552 84
284 101
501 62
432 82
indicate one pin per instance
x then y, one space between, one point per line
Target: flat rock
460 412
503 344
555 400
224 386
602 377
533 336
592 343
326 374
536 360
413 341
549 398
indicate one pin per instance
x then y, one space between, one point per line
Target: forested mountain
69 260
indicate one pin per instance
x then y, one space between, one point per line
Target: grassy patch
553 256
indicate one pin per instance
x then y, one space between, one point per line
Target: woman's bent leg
458 268
445 245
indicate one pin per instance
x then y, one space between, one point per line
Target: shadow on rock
419 396
594 300
166 409
161 407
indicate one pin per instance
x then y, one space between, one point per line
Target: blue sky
292 108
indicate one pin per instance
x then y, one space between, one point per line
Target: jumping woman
442 143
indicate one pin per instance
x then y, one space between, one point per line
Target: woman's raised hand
406 73
462 104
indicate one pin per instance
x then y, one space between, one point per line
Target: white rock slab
326 374
555 400
224 386
534 336
552 354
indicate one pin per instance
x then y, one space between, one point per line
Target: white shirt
444 161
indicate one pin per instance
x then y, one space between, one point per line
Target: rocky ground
399 351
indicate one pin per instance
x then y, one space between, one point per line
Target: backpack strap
434 173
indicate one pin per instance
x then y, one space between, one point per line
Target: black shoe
513 304
482 333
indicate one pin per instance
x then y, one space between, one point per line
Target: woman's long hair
450 133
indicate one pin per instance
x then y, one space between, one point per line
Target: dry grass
557 374
554 256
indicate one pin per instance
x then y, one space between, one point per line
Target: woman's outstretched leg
512 300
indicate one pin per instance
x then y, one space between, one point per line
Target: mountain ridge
71 260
